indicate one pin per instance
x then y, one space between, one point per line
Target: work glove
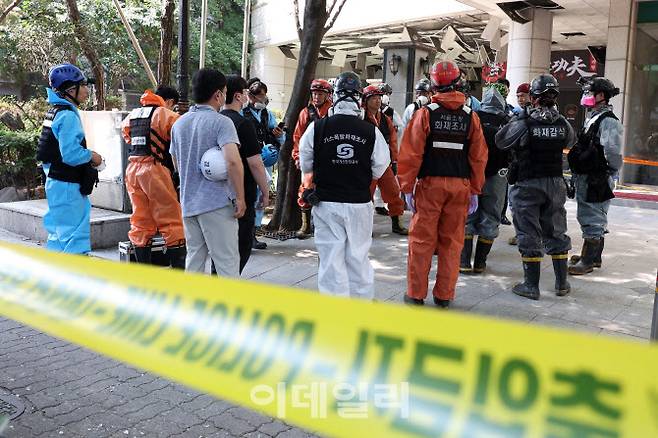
473 204
411 203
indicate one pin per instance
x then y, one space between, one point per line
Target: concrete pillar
619 62
410 71
529 49
277 71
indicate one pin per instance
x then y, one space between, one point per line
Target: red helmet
321 85
445 75
372 90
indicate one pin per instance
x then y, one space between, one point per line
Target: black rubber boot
562 286
465 261
305 231
530 286
413 301
444 304
177 256
396 227
598 261
586 263
481 252
143 254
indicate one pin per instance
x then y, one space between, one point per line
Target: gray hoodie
493 102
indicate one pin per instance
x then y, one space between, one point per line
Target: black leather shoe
442 303
258 245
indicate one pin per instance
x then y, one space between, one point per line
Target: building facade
397 41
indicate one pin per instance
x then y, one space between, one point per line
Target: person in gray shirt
210 208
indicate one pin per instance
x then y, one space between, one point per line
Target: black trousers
246 234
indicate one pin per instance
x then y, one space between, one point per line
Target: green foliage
31 111
223 35
38 34
18 166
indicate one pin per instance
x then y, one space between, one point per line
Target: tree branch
332 19
299 26
9 8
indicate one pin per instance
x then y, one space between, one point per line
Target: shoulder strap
265 118
318 134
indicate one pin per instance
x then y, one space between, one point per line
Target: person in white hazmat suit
344 153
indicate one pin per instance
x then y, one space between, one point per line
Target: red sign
570 65
494 71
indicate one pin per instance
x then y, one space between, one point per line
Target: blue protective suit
67 220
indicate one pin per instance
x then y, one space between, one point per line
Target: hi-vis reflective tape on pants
336 366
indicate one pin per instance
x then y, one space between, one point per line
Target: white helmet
213 165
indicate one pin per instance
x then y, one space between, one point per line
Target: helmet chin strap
74 99
348 95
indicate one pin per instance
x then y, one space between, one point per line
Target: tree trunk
166 42
89 51
286 215
8 9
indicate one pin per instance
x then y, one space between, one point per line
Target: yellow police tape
335 366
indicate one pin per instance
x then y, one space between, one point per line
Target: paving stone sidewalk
72 392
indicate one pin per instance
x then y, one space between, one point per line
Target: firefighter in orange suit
321 92
149 177
441 172
388 183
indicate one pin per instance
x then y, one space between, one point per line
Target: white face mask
422 100
386 99
245 104
261 105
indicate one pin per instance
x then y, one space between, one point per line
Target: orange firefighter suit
149 182
441 202
388 183
306 116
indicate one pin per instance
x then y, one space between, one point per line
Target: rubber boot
465 261
305 231
576 258
444 304
530 286
562 286
397 228
586 263
481 252
413 301
177 256
598 261
597 258
143 254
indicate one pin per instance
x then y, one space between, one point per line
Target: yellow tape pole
336 366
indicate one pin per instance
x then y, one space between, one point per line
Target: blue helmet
64 76
270 155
